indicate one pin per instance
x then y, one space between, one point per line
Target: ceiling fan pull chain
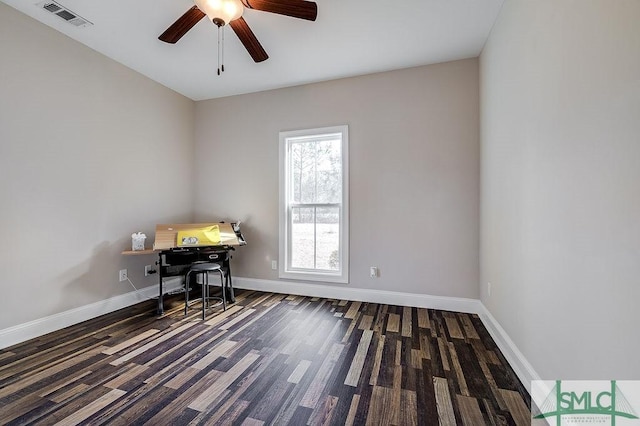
218 50
222 51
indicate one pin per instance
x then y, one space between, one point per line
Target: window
314 205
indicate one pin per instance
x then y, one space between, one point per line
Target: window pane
302 239
316 171
315 238
328 238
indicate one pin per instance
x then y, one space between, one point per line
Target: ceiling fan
223 12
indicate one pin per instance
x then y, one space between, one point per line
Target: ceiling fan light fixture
221 10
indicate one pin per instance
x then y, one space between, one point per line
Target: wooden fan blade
182 25
295 8
248 38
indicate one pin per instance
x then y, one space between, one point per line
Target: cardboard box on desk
167 235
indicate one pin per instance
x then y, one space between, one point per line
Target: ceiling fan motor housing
221 12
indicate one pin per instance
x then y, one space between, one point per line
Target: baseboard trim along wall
39 327
523 369
340 291
516 359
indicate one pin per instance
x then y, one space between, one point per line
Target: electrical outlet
123 275
148 270
373 272
489 289
274 265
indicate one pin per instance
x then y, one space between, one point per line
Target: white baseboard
340 291
516 359
521 366
39 327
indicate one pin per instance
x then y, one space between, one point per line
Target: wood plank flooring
268 359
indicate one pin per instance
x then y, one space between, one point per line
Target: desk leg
231 297
160 311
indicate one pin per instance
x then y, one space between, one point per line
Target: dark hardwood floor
268 359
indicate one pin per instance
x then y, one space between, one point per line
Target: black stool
204 269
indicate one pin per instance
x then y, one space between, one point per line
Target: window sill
316 276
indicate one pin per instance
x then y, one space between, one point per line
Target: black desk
177 261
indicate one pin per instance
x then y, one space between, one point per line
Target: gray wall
90 152
414 170
560 227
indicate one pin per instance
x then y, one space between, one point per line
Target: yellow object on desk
205 236
167 234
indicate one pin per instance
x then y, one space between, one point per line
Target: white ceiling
349 37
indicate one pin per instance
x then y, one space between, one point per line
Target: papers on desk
205 236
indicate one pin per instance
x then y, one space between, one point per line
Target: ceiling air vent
64 13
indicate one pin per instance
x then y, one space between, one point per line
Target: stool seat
204 266
203 269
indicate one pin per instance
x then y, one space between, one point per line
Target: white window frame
284 269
